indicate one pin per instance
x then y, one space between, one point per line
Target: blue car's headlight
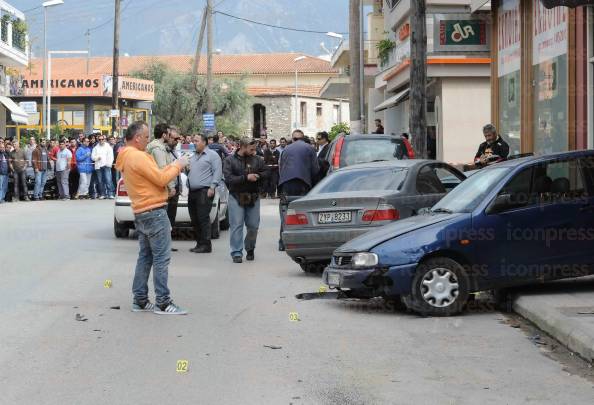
365 259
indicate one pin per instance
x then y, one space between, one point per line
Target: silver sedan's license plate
334 217
334 279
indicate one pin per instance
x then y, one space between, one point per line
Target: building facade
273 80
13 55
542 76
458 71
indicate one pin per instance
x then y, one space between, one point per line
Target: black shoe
281 246
201 249
174 249
250 255
237 259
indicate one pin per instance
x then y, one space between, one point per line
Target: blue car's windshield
468 195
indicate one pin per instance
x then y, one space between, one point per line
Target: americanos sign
549 33
508 37
83 86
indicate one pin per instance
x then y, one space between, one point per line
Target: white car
123 220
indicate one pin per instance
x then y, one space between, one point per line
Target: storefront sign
209 121
114 113
85 86
508 37
549 32
401 50
460 32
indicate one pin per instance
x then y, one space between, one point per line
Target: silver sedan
357 199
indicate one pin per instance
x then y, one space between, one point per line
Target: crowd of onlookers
83 166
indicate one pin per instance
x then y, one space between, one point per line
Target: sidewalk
563 309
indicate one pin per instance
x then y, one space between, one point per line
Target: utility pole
116 66
355 68
418 77
88 35
209 45
196 64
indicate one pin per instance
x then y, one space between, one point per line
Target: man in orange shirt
147 189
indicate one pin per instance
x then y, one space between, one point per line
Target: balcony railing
19 41
4 31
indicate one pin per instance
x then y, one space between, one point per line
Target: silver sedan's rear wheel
439 288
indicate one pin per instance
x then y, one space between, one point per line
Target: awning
392 101
476 5
17 113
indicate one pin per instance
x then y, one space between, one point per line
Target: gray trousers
62 180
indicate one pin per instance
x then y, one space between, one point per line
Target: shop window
101 118
550 74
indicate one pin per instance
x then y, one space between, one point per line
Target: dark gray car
356 199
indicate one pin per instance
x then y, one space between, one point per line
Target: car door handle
587 208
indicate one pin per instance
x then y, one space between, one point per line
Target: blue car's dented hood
369 240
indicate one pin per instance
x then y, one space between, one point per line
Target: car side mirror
501 203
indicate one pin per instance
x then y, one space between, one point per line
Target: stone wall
278 115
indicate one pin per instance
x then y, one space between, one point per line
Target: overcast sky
171 26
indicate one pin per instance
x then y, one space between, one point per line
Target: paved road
56 256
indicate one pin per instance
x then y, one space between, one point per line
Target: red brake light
122 192
337 150
294 218
386 214
410 153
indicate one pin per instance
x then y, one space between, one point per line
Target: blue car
517 222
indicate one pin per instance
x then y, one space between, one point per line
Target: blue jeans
238 216
40 179
3 186
154 237
94 188
104 179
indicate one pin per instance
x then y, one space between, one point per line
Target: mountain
152 27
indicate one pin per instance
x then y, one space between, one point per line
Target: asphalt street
56 257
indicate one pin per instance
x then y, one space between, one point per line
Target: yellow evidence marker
294 317
322 289
182 366
107 284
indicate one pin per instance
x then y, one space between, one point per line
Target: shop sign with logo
509 53
455 32
549 32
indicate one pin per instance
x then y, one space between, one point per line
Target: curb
566 330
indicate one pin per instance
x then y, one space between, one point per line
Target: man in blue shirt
206 172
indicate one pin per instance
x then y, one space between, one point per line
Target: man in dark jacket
271 157
298 170
323 141
4 171
243 172
217 147
493 146
18 164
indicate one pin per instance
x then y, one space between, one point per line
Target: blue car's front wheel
439 288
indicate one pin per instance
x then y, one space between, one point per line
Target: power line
274 26
111 19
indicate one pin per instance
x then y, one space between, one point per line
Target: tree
180 99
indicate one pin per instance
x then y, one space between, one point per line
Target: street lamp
299 58
45 6
49 78
334 35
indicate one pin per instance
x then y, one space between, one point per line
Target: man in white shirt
63 159
102 155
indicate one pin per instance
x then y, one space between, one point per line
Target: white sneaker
171 309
